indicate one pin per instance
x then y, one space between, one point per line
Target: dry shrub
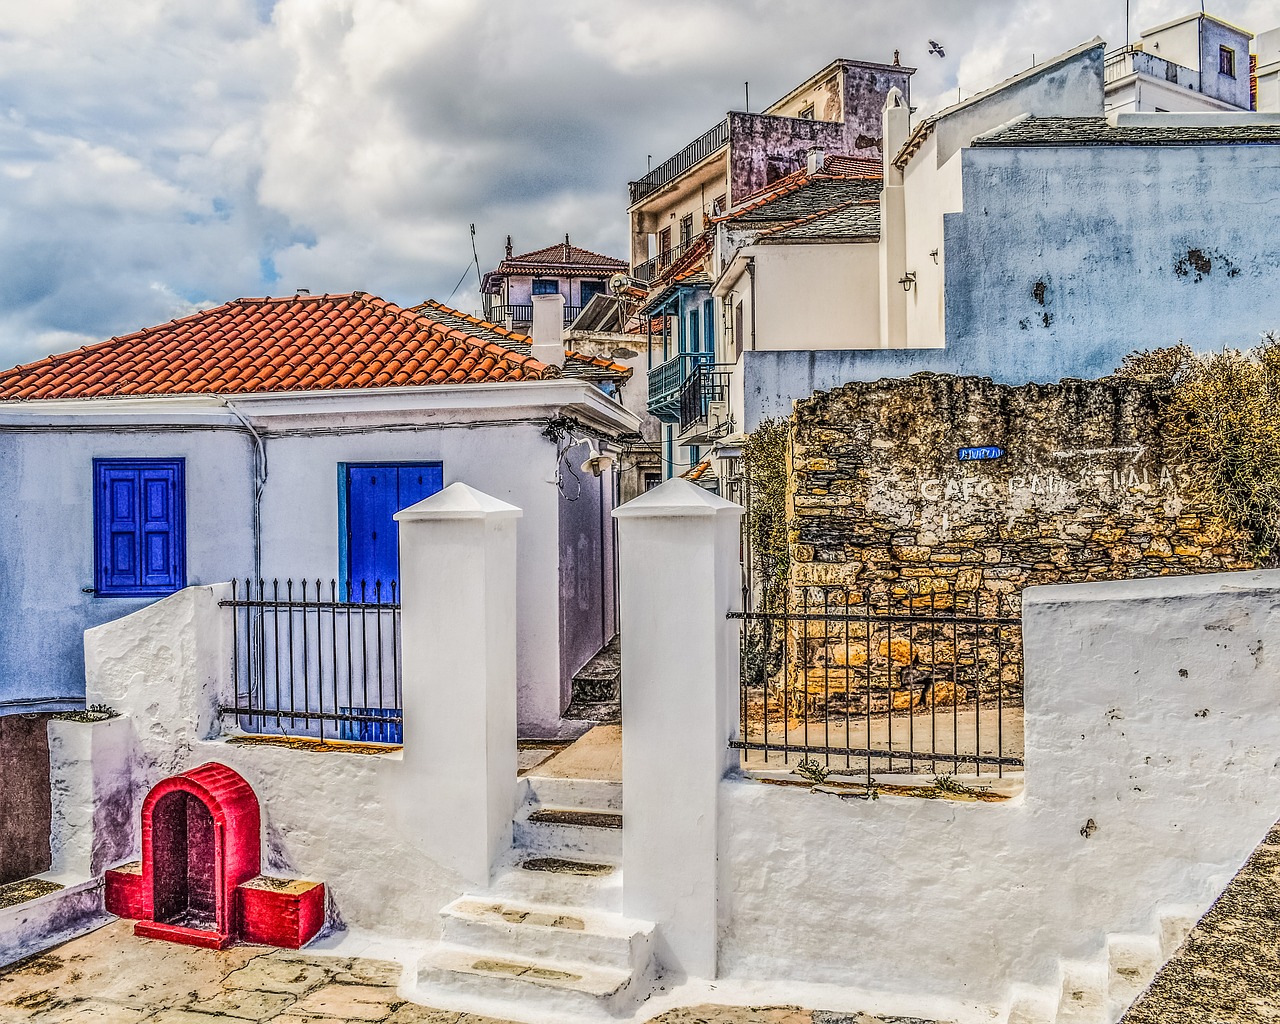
1224 424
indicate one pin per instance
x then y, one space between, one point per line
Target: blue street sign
973 454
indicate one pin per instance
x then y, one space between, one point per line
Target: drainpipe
259 482
751 273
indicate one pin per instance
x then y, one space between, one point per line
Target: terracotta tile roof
853 166
696 472
576 364
561 255
298 343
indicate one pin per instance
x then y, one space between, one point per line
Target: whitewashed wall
1150 713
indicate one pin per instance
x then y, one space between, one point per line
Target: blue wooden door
375 493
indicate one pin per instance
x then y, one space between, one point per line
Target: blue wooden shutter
139 527
375 493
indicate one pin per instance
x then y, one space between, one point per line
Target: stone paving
112 977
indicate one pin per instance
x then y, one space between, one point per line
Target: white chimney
548 329
816 158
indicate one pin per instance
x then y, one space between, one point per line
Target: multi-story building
836 111
1195 63
561 269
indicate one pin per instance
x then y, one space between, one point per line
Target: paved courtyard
112 977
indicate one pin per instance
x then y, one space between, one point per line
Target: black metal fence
706 384
317 660
882 683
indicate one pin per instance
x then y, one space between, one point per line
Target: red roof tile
298 343
564 254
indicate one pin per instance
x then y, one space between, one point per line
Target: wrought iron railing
666 380
315 660
705 384
648 272
698 150
522 313
873 685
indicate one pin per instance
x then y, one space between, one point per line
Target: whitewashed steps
1031 1005
587 794
559 887
1175 925
1084 993
575 833
468 977
545 932
1132 961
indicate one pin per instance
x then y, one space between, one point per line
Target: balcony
1121 63
697 151
666 380
654 269
523 314
707 383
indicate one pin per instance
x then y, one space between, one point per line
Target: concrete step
560 887
585 794
1132 961
570 832
1176 923
1029 1004
544 931
450 976
1083 999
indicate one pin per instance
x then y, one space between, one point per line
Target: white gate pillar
458 644
679 577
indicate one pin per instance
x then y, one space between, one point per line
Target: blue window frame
546 286
370 494
139 527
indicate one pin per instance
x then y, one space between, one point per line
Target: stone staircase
548 933
1100 990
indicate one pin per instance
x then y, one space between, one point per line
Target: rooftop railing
698 150
1121 63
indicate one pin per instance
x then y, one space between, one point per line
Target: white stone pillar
458 645
679 576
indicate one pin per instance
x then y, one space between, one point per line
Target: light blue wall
1115 234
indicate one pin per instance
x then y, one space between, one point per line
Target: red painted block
283 912
123 894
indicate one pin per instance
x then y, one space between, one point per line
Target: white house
275 438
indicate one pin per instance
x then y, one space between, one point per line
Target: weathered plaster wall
24 796
1148 714
844 311
1066 260
349 820
764 148
46 545
1083 492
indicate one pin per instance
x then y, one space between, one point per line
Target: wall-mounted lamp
908 280
934 254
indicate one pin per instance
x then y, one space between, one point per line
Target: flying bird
936 47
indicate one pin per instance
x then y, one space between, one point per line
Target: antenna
747 88
475 256
1126 24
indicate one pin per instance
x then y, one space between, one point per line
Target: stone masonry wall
879 500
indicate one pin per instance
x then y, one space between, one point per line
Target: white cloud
158 157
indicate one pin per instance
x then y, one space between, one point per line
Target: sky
163 156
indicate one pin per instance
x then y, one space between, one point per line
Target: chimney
566 248
508 247
548 329
817 156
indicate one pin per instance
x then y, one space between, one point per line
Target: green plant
949 784
1221 423
103 709
764 458
812 770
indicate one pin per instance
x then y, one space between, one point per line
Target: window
708 326
686 229
806 113
545 286
664 245
588 288
737 330
651 480
1227 61
694 337
139 527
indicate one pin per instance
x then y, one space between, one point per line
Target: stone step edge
562 975
572 867
602 923
574 817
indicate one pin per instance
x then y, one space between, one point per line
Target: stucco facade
489 434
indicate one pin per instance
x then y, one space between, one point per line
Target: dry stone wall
882 499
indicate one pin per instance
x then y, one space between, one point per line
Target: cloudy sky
160 156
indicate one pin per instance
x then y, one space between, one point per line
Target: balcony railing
666 380
523 313
1121 63
705 384
698 150
648 272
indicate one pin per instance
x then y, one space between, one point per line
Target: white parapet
678 564
458 608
